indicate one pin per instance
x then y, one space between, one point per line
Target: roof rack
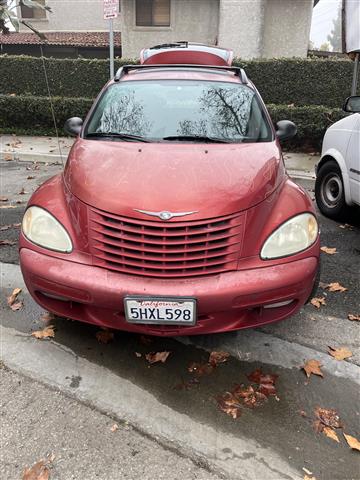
240 72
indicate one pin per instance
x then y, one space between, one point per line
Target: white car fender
336 155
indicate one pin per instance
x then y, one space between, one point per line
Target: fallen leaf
16 306
346 226
329 250
7 242
104 336
335 287
8 157
47 332
218 357
355 318
318 301
12 298
229 404
22 191
266 382
138 354
200 368
250 397
307 477
47 317
3 199
312 367
39 471
30 177
340 353
155 357
7 227
352 442
328 417
330 433
114 427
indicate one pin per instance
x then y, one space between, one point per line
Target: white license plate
160 310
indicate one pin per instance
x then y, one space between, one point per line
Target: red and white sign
111 9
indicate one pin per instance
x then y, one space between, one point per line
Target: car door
353 161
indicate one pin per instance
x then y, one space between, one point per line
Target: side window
153 13
33 13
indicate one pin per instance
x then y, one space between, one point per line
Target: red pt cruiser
174 214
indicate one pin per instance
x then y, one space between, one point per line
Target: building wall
241 26
73 15
287 28
192 20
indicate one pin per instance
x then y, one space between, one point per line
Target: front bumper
228 301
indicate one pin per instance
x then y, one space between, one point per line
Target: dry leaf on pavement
340 353
12 298
335 287
218 357
47 332
346 226
138 354
230 405
114 427
355 318
318 301
3 199
39 471
16 306
312 367
329 250
307 477
328 417
7 242
8 157
104 336
155 357
266 382
330 433
22 191
352 442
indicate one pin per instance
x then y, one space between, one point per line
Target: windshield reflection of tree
124 114
226 114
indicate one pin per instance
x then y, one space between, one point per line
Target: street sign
111 9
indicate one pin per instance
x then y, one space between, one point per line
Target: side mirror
352 104
73 126
285 130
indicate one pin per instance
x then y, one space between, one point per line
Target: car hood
213 179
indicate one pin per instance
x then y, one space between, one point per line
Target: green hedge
32 116
315 81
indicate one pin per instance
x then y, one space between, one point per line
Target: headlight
291 237
40 227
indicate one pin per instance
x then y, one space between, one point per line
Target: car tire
329 191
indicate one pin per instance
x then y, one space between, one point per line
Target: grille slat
165 249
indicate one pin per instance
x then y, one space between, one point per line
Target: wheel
329 191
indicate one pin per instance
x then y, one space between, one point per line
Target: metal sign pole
111 46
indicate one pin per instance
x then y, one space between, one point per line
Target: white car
337 185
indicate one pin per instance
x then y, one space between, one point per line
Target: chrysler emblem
165 215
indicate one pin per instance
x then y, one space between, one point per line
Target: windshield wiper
197 138
122 136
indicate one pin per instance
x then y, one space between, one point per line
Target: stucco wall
241 26
192 20
74 15
287 28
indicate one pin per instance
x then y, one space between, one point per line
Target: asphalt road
275 441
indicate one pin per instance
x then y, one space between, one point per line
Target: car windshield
183 110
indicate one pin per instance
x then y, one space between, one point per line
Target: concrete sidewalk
52 150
